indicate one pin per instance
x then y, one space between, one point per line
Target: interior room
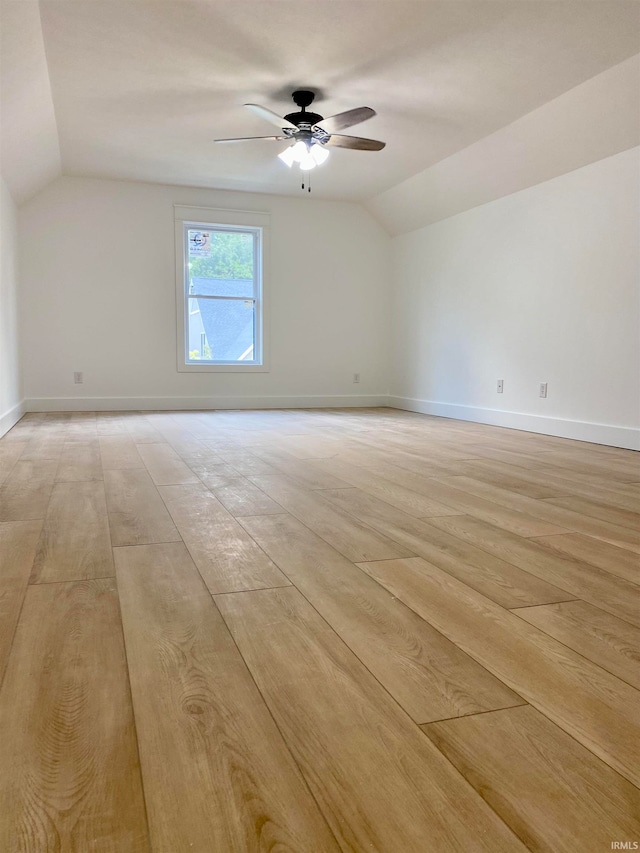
319 426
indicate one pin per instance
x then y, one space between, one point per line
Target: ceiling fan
310 133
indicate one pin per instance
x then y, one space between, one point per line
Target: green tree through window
231 257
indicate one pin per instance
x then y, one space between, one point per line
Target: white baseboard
615 436
11 417
122 404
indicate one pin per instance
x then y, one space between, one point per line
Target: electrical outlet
543 389
500 388
78 378
356 377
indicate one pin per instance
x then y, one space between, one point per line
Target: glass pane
221 330
221 262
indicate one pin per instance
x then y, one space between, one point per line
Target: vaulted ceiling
139 90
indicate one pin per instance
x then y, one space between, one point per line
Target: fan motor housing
304 118
303 98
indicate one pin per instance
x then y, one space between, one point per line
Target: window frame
214 219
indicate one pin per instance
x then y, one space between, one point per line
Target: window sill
223 368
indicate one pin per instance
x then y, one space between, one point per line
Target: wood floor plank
365 761
185 447
18 542
520 480
411 456
137 514
111 423
83 426
303 473
24 495
436 487
625 564
203 728
241 497
166 422
212 471
119 452
367 480
75 542
601 451
554 794
582 580
539 524
69 772
426 448
587 485
426 674
197 451
499 580
165 466
597 708
611 643
227 557
244 463
79 462
140 430
548 483
311 446
343 532
493 513
10 452
22 432
625 470
388 466
521 458
44 445
597 509
575 522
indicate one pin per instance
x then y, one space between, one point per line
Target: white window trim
201 216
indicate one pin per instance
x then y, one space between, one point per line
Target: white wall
98 296
539 286
10 397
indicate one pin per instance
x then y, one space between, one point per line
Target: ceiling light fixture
309 133
308 154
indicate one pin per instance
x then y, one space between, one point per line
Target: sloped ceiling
141 89
29 148
594 120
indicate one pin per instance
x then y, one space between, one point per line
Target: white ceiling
140 89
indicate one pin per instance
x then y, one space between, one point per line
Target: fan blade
346 119
247 138
358 143
270 116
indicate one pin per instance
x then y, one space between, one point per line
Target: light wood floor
356 630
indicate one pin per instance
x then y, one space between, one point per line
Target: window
220 291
